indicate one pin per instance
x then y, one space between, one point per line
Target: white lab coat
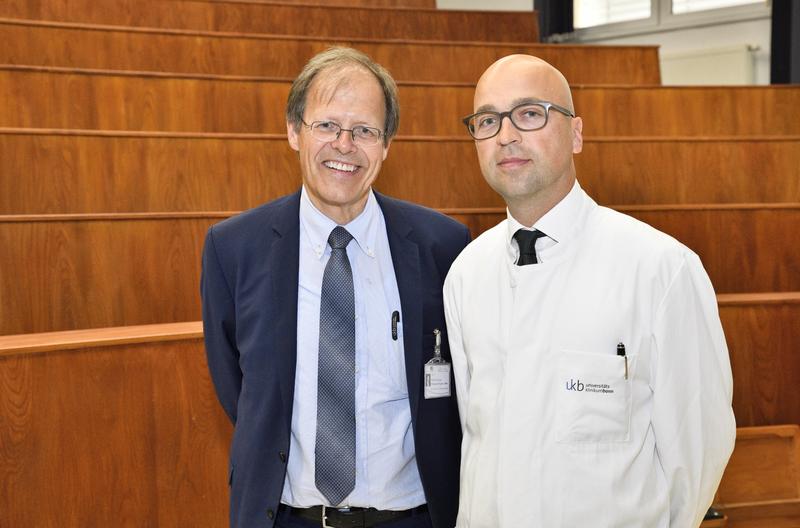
554 433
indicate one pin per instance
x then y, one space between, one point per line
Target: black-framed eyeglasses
330 131
525 117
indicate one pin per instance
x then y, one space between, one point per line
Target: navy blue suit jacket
249 290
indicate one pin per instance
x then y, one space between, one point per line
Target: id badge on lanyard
437 372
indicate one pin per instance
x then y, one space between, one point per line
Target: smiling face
338 174
531 170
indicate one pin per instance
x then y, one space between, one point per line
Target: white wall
679 42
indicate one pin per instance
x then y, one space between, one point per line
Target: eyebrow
338 123
515 102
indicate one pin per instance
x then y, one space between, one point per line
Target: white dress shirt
387 477
555 434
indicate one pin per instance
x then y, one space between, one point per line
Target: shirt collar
561 223
318 227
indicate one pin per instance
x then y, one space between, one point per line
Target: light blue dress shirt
387 477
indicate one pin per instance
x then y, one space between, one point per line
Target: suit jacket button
283 456
270 514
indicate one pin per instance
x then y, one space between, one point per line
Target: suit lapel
284 263
405 257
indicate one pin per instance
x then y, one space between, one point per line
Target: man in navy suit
319 312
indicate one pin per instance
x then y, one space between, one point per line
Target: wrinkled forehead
334 81
506 83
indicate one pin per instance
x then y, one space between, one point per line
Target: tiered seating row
135 412
133 408
53 171
89 271
286 19
762 335
46 97
139 49
743 247
761 485
101 429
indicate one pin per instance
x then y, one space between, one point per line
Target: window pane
689 6
589 13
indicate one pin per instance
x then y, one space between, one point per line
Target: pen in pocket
621 352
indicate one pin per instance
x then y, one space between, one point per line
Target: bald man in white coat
593 378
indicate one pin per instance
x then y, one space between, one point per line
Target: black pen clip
621 352
395 320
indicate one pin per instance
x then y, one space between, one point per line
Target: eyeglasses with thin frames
526 117
327 131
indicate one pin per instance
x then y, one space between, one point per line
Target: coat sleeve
692 389
452 312
219 329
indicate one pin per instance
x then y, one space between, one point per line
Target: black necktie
527 245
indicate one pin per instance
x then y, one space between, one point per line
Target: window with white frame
690 6
589 13
631 16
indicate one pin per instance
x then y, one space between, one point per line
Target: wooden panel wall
82 99
762 334
89 272
53 44
65 275
45 99
53 173
700 110
125 436
763 467
691 170
760 486
286 19
97 174
743 249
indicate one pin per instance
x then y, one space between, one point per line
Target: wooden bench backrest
764 467
80 99
101 47
276 18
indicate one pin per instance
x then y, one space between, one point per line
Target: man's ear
294 135
577 135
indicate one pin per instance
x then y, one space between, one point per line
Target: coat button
270 514
283 456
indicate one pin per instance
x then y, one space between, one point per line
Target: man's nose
344 141
508 132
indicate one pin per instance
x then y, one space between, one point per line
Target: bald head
532 168
551 85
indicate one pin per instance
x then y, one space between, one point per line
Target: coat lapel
405 257
284 263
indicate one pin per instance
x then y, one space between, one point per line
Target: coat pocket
594 397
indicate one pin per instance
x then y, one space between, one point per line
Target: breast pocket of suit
593 397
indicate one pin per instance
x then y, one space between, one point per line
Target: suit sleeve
219 329
692 389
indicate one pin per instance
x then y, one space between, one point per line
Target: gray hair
338 58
